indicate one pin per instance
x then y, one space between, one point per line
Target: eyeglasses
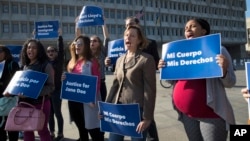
93 40
78 44
52 51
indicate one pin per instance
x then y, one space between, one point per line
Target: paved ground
166 118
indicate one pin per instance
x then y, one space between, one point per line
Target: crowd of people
205 112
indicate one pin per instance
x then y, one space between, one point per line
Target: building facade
162 20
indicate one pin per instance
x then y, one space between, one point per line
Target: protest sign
46 29
120 118
79 88
115 49
247 69
90 16
191 58
28 82
15 51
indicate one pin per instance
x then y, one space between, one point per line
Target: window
118 15
15 28
6 28
57 11
65 28
14 8
40 9
72 28
112 14
64 11
5 8
24 28
32 9
48 10
23 9
72 11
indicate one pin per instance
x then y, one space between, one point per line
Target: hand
143 125
222 61
63 77
60 32
161 64
92 105
20 95
107 61
245 93
7 94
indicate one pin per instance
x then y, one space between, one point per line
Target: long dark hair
8 56
41 54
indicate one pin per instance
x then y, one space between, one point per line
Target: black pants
13 135
77 115
152 131
96 135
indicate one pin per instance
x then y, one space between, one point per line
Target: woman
9 69
132 82
99 51
56 58
85 116
33 57
202 104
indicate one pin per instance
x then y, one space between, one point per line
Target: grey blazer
135 82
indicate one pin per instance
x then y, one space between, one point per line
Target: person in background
132 82
85 115
9 69
99 51
56 58
205 112
33 57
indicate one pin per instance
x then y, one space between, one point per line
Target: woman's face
2 55
79 46
51 53
193 29
32 51
131 39
94 44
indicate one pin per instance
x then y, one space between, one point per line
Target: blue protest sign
120 118
79 88
46 29
90 16
247 69
15 51
115 49
191 58
1 68
28 82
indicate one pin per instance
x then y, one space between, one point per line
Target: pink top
190 98
95 70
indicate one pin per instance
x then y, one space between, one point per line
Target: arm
77 29
49 86
60 46
225 61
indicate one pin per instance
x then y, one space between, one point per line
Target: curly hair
41 54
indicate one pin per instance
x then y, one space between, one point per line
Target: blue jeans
56 104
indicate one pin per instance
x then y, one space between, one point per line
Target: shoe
59 138
20 135
52 137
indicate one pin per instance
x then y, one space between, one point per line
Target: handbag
6 104
25 117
